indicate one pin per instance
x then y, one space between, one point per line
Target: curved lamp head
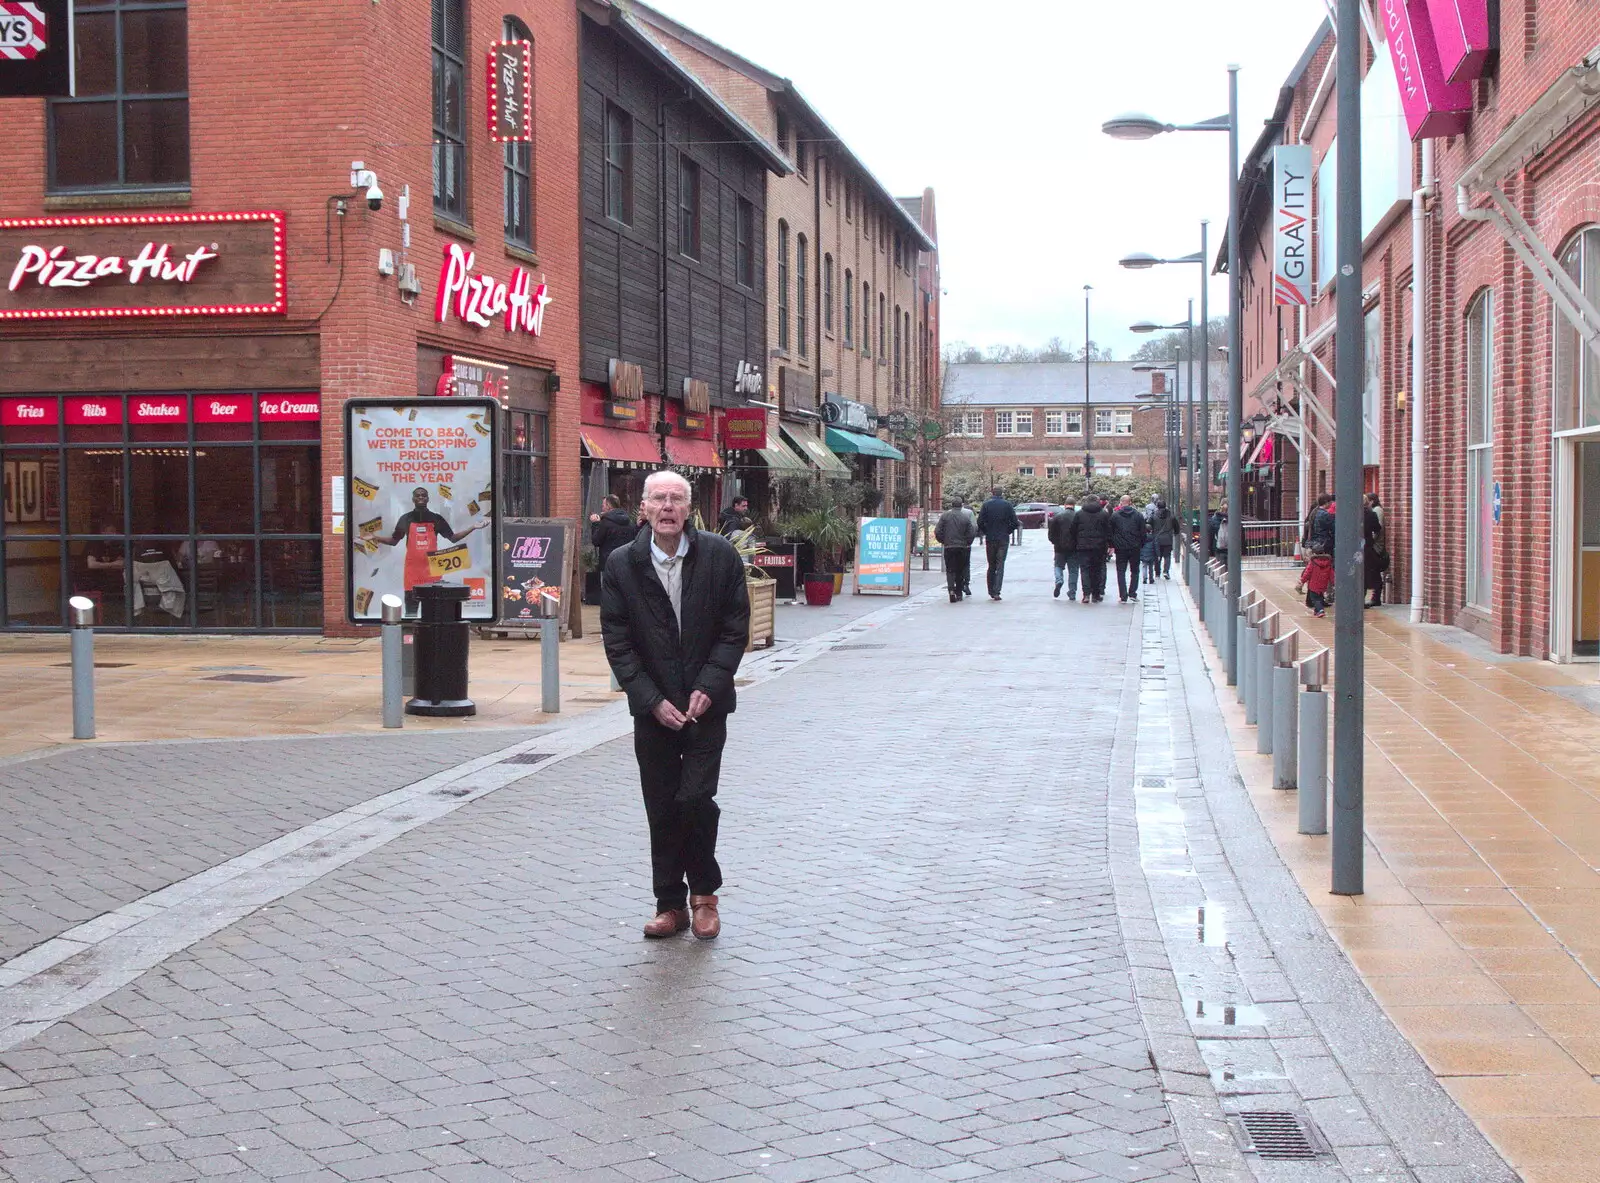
1145 326
1145 367
1134 125
1138 261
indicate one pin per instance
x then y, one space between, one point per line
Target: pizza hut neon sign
55 268
479 299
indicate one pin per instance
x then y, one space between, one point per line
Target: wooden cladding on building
797 393
697 396
675 308
34 365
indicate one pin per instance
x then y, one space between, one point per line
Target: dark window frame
121 98
689 206
449 41
519 220
866 319
849 309
827 294
617 161
744 252
802 320
783 285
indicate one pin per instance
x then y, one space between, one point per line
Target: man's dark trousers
1164 558
1127 573
957 568
678 771
1093 563
996 548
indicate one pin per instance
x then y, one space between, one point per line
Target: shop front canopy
817 452
693 453
778 458
632 448
847 443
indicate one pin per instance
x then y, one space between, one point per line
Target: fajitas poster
421 497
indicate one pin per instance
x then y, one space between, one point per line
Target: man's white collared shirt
669 569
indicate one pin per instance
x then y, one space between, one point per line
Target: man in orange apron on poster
422 528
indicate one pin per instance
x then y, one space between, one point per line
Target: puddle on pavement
1224 1014
1208 922
1229 1080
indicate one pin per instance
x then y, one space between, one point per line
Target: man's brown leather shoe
707 924
667 924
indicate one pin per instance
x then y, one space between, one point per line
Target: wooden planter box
763 612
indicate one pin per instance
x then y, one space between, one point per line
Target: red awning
612 443
692 453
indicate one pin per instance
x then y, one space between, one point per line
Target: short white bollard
1314 745
392 608
1285 711
1267 634
81 609
550 655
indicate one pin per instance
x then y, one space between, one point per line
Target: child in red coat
1317 578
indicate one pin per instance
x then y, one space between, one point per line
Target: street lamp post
1144 127
1088 407
1144 326
1169 403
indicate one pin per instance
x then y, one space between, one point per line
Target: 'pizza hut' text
55 268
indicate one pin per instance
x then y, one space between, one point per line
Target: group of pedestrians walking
1317 542
1086 538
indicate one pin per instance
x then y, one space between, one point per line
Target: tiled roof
1031 384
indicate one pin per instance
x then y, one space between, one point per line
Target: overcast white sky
998 108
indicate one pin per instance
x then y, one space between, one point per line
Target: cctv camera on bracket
362 177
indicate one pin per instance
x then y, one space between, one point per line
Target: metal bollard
550 655
1239 659
1261 679
1314 744
81 612
1284 710
392 608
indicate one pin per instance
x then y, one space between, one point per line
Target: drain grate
1151 782
528 758
854 648
1275 1134
250 678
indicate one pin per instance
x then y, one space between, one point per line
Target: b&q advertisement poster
420 499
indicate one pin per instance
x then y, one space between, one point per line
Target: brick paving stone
921 973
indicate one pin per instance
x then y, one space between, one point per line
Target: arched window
519 165
866 319
1480 450
849 308
1577 372
827 294
783 285
802 328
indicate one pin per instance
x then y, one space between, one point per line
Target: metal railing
1271 544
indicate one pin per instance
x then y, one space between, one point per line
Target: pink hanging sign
1433 106
1461 33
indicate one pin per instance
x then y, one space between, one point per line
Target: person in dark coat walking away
1218 528
1317 578
1374 550
955 531
997 522
1090 535
1058 531
1128 532
1320 525
735 517
611 528
1148 557
1164 529
675 618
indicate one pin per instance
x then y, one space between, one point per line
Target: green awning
782 460
847 442
817 452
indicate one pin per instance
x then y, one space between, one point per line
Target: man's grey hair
664 475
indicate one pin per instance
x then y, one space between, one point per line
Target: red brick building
191 112
1506 381
1032 419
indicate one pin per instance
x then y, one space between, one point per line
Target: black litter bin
440 648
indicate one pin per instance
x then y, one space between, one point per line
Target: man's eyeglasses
666 499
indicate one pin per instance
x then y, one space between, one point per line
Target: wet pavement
961 940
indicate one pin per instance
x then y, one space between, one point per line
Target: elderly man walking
675 616
956 531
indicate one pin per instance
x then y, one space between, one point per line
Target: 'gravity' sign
1291 217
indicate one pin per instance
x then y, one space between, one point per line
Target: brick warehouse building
214 437
1510 421
1028 419
852 301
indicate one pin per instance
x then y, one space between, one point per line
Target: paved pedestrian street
997 906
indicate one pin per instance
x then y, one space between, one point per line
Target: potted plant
829 532
762 589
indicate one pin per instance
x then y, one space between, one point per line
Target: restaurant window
827 294
519 166
783 285
525 465
1577 375
744 243
849 308
619 165
688 207
450 109
801 327
1480 451
168 511
127 127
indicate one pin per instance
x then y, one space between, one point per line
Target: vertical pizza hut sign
510 81
420 500
36 48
